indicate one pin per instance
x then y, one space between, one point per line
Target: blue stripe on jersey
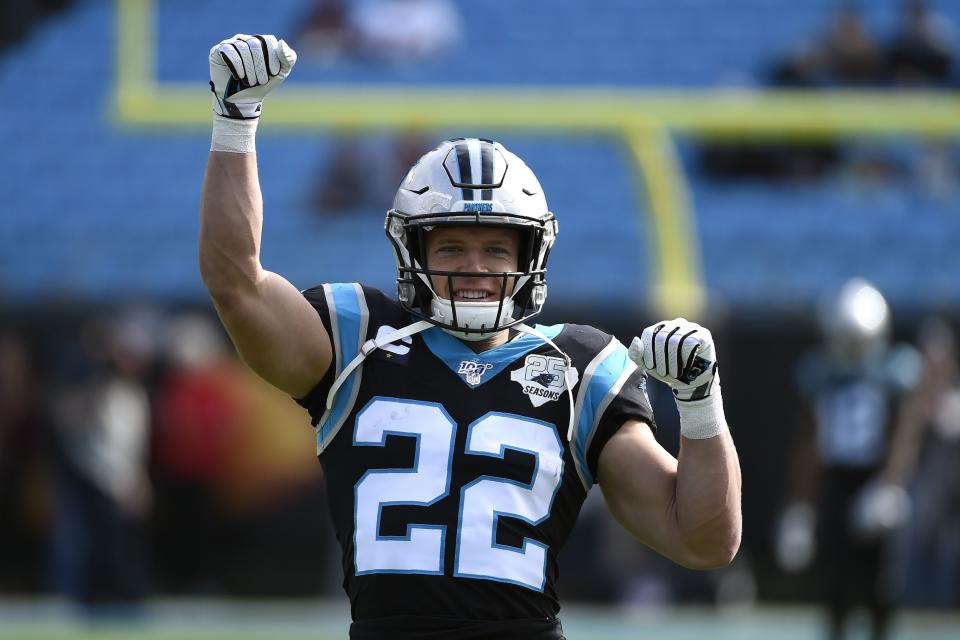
603 382
452 351
348 313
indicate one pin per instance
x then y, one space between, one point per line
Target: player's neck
497 339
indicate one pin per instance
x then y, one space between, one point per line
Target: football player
459 442
850 459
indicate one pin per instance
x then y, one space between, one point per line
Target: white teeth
472 295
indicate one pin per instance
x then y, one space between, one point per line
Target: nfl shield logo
473 371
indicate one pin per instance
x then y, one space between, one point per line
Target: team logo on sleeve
542 379
473 371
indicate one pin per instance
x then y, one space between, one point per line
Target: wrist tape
701 419
234 136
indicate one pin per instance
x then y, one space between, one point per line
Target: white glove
796 542
244 69
680 354
879 509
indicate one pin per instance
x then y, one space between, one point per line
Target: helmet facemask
521 292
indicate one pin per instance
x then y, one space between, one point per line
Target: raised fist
244 69
679 353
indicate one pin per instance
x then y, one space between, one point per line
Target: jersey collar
476 368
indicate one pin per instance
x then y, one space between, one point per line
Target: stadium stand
96 210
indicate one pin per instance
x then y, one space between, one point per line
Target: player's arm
884 504
795 544
922 380
276 331
688 508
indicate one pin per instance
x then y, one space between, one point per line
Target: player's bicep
638 479
278 334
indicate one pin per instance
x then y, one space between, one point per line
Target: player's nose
473 260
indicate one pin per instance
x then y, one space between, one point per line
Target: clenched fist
244 69
681 354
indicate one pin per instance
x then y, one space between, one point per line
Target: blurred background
786 173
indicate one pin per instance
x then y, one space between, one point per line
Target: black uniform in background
854 408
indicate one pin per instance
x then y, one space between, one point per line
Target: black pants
441 628
855 571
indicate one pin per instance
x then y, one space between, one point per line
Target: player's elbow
714 560
715 553
224 278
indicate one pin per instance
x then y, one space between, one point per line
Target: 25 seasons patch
542 378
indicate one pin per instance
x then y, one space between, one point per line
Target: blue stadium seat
102 210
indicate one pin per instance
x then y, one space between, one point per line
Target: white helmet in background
468 182
856 320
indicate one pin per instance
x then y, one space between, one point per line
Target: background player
459 447
852 462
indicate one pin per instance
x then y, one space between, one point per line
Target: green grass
216 620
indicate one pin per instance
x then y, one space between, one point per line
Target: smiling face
472 249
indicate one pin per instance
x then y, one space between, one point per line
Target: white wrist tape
234 136
701 419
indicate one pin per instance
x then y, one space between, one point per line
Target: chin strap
369 347
567 377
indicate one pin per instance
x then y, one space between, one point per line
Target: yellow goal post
644 119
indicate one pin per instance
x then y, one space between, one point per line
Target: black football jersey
854 405
451 481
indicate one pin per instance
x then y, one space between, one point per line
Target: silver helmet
856 320
471 182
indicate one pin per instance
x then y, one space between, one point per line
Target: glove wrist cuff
701 419
234 136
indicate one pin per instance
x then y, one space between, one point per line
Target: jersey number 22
482 501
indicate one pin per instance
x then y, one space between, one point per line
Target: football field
316 620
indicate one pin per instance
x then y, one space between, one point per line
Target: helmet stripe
486 169
475 165
466 172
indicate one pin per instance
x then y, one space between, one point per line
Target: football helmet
466 182
856 320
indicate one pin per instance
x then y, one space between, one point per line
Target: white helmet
471 181
856 320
